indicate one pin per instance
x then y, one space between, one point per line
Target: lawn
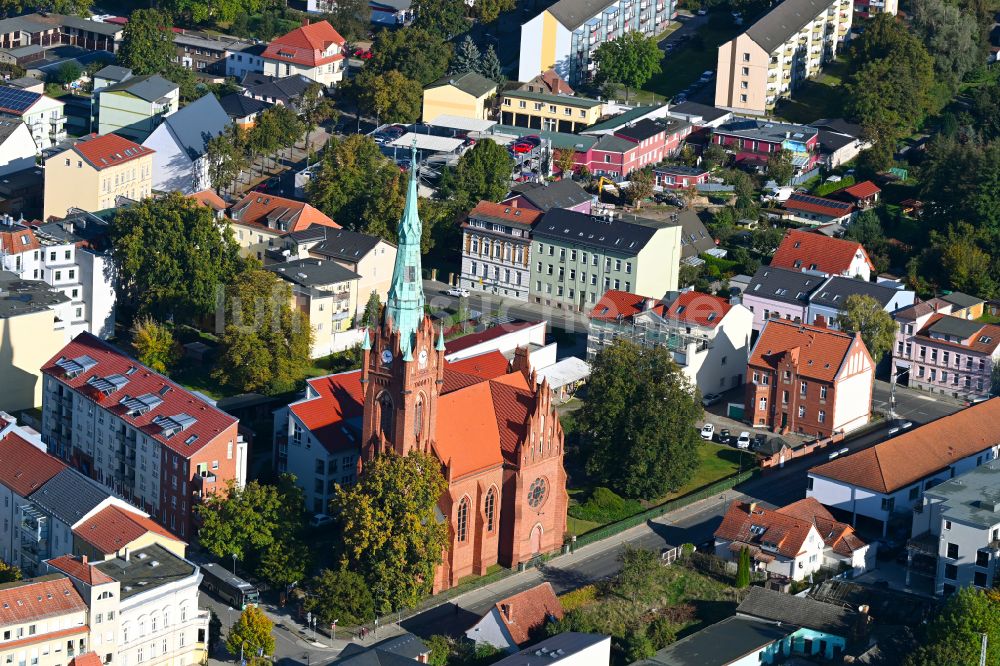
685 65
816 98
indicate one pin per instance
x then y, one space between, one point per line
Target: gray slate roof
472 83
571 227
721 643
613 144
345 244
23 24
786 19
553 650
695 238
781 284
197 123
139 574
20 297
287 89
773 606
838 288
704 111
766 130
69 496
240 106
7 127
574 13
621 119
960 300
560 194
113 73
313 272
150 87
955 327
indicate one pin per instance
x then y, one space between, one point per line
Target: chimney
649 304
305 21
506 610
522 361
83 559
753 506
126 558
820 321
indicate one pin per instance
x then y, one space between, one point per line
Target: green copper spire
405 304
440 343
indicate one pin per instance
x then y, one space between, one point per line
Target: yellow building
327 293
32 330
464 95
549 113
94 172
45 617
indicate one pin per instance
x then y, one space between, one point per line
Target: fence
803 177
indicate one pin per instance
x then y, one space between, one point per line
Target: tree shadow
449 619
676 535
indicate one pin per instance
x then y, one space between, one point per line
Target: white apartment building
43 115
789 44
315 50
17 146
57 253
565 36
496 249
957 531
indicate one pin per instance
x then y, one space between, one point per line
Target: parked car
707 431
725 437
458 291
533 139
320 519
744 440
521 147
710 399
701 12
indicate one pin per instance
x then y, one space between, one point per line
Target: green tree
390 96
351 19
956 633
490 67
483 173
638 566
66 73
714 156
863 314
867 230
444 18
226 157
316 108
266 341
638 647
172 257
466 58
630 60
779 167
241 521
340 596
487 11
9 573
284 562
985 110
440 648
766 239
415 53
373 308
147 42
391 533
966 266
640 187
743 569
251 635
154 344
640 421
952 37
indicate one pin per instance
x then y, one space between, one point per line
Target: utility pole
982 650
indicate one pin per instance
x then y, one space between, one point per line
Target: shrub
661 633
604 506
824 189
578 598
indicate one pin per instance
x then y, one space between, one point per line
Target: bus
229 587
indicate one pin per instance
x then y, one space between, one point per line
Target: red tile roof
522 613
862 190
257 208
819 205
15 239
109 150
820 351
306 45
175 403
754 525
624 304
489 365
467 438
37 599
86 659
918 453
24 468
75 567
471 340
112 528
836 535
692 307
210 199
801 250
339 398
506 212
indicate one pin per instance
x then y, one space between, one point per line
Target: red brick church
492 426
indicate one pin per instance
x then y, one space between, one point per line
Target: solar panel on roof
108 385
74 366
17 100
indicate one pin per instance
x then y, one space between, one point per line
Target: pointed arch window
418 416
490 508
462 529
385 415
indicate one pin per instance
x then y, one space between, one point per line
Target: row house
157 444
941 353
955 535
788 45
576 258
753 141
707 336
808 251
550 113
207 54
631 147
883 484
66 256
496 249
679 177
314 50
545 196
565 36
49 30
809 380
793 541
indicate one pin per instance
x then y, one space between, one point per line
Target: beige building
465 95
44 620
550 113
94 172
33 320
327 293
789 44
261 220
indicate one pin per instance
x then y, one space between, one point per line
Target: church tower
403 367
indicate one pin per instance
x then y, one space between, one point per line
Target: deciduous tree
251 635
863 314
415 53
341 596
640 186
565 160
640 421
154 344
444 18
391 533
483 173
630 60
487 11
390 96
9 573
241 521
779 167
266 341
952 37
226 155
147 42
955 635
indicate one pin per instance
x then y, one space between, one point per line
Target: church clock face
386 357
422 358
537 492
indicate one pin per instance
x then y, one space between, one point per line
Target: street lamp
234 564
